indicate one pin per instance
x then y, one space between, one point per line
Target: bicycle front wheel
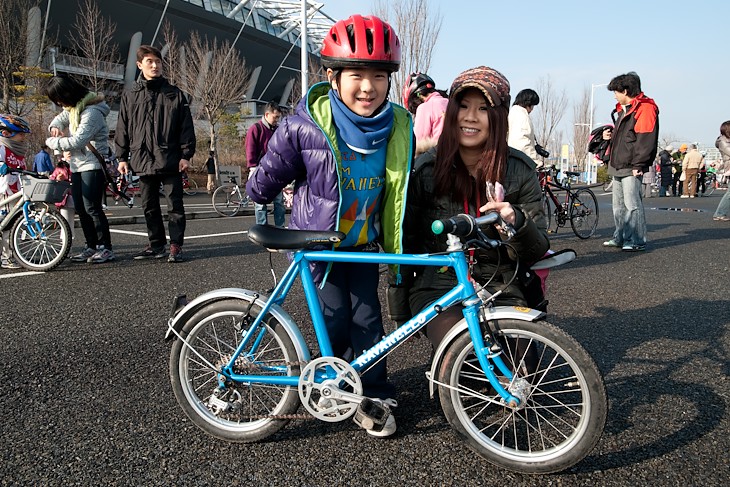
192 188
227 200
235 412
42 241
584 213
710 184
547 208
564 405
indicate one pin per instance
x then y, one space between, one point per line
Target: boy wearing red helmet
349 151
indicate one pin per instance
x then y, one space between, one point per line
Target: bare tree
213 73
581 128
315 74
418 29
14 27
549 112
92 40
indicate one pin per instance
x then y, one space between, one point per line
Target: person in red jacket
633 147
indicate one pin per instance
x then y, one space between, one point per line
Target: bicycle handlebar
12 170
464 225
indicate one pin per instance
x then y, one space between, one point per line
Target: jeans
351 309
87 191
279 212
723 209
663 190
628 211
149 189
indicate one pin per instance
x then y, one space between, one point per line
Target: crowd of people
356 159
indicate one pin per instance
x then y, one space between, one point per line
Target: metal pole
162 17
43 35
305 60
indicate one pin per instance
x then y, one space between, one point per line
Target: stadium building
267 33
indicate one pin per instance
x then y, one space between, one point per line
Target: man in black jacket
155 138
632 149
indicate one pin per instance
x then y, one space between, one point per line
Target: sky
674 46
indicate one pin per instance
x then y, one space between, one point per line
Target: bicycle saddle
572 174
282 238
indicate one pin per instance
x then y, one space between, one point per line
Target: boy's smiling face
363 90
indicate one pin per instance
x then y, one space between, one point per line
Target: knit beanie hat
487 80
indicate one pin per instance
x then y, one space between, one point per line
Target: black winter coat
154 129
665 166
522 190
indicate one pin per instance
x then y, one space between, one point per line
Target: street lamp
593 87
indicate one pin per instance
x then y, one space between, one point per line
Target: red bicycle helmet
416 83
361 42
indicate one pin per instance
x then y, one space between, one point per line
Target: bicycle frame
463 293
16 198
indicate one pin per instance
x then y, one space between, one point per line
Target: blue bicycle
40 237
521 392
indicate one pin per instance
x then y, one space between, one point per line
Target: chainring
321 396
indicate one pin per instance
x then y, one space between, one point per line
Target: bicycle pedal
371 415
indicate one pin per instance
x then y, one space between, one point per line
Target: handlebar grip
463 225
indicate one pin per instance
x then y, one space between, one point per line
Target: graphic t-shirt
10 183
363 179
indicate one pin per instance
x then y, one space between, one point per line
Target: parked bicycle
40 237
580 207
228 199
521 392
190 185
714 182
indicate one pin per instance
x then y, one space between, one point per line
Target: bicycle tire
192 188
51 244
547 208
227 200
583 213
215 332
710 184
564 384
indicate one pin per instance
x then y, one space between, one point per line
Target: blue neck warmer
362 134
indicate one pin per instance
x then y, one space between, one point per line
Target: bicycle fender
495 313
176 322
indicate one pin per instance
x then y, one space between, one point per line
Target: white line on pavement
21 274
191 237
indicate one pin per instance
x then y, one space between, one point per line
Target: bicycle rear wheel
564 405
236 412
192 188
227 200
43 241
710 184
584 213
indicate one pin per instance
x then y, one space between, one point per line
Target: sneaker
175 253
633 248
611 243
9 264
84 255
390 426
721 218
150 253
101 255
684 196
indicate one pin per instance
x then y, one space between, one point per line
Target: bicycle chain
251 366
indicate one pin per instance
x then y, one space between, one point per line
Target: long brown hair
451 175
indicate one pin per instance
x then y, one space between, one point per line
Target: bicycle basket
44 190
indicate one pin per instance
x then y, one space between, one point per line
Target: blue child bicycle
521 392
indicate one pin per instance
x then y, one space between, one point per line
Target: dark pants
149 189
677 185
351 309
87 191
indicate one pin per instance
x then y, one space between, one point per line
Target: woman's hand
56 132
506 211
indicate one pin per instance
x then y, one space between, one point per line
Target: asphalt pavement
85 395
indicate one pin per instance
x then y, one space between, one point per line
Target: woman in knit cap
453 178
